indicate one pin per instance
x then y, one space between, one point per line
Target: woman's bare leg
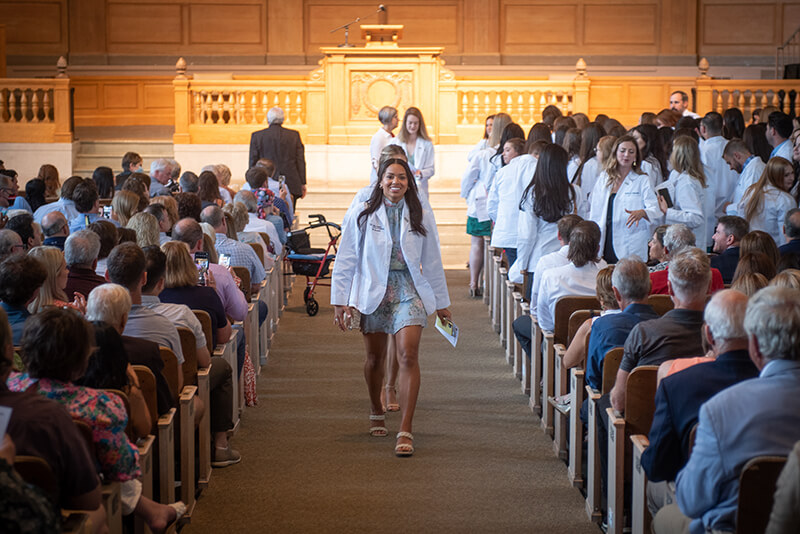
407 340
475 261
391 372
375 345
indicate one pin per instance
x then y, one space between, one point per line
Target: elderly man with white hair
677 238
276 237
680 395
80 252
161 176
284 147
757 417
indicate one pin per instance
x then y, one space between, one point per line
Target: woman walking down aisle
388 118
389 268
623 203
504 195
413 137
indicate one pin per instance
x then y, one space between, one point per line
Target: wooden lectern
381 35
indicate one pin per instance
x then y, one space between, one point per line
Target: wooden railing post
447 109
2 50
705 93
62 108
182 104
580 102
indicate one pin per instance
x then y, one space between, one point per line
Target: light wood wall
471 31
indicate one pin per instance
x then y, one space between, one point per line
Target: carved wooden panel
143 25
746 27
37 26
123 100
371 90
226 24
620 23
546 24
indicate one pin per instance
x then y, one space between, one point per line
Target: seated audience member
111 303
161 174
189 205
631 285
26 229
749 167
257 179
239 218
146 228
272 225
679 396
124 205
131 162
755 263
750 283
164 222
126 267
522 324
55 228
785 516
139 184
729 232
49 174
277 187
21 276
34 194
52 291
758 241
677 238
753 418
87 202
103 178
10 244
676 334
109 238
657 256
56 346
80 252
208 189
791 228
188 231
578 277
8 194
170 205
43 428
109 368
64 204
241 254
787 278
188 182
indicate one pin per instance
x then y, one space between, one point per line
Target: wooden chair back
259 251
170 370
244 276
127 403
205 322
37 472
640 396
147 382
189 349
565 307
661 303
610 367
576 320
265 238
756 491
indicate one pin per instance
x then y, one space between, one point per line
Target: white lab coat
769 218
423 162
572 167
536 238
361 269
652 168
477 180
379 140
751 172
503 202
688 198
480 145
720 178
635 193
591 170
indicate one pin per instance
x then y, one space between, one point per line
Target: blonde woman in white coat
475 184
765 203
389 267
413 137
687 189
623 203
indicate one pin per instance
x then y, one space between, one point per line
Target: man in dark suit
679 396
285 149
791 229
729 232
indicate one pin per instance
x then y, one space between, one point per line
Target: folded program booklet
448 329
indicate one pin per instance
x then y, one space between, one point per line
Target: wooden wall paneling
122 101
623 28
626 98
35 27
143 28
790 20
2 50
285 31
678 27
87 28
745 28
481 29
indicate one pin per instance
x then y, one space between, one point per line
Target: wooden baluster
542 105
3 106
254 107
46 105
476 108
264 106
719 102
487 108
35 106
12 105
498 103
300 108
23 105
462 114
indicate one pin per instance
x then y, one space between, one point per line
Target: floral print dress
117 459
401 305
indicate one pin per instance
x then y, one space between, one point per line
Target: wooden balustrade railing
245 102
523 100
748 95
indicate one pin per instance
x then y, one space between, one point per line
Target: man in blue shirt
21 277
87 202
756 417
779 128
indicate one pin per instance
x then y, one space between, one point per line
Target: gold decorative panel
371 90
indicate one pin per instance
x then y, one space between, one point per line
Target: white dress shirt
503 201
545 263
564 281
378 142
770 217
260 225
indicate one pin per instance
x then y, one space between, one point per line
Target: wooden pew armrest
640 443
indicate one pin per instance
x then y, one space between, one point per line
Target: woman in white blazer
686 188
505 194
483 143
765 203
475 184
548 197
623 203
389 268
413 137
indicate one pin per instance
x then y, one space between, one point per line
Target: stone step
93 154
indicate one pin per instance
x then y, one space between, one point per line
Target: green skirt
478 228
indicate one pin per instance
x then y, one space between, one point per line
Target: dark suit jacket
82 281
678 402
791 246
726 263
286 150
144 352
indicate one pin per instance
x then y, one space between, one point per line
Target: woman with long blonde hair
52 291
686 188
123 206
765 203
413 137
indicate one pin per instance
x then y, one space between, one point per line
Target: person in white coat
388 119
389 268
686 188
548 197
475 184
483 143
721 180
765 203
623 203
413 137
748 166
505 194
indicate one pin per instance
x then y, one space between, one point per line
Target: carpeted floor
482 464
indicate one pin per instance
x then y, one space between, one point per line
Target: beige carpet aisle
482 464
